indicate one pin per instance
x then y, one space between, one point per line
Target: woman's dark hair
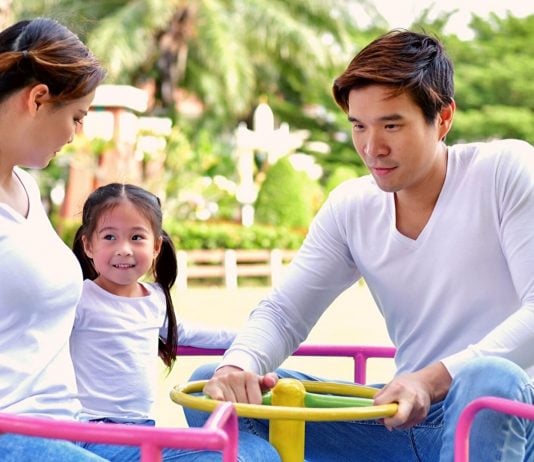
165 267
44 51
406 62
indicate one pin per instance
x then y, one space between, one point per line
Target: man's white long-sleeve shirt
463 288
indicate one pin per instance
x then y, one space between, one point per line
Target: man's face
399 147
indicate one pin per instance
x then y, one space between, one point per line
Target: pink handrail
219 433
465 422
359 353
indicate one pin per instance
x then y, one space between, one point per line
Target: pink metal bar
465 422
195 351
218 434
359 353
224 423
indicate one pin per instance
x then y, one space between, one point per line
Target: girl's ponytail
165 272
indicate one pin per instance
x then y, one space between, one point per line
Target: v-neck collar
434 216
15 213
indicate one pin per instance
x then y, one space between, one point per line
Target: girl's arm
202 336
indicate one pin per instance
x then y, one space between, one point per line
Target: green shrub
287 197
190 235
200 235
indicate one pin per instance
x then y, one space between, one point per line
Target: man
444 237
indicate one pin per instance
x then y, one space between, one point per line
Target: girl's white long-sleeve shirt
463 288
114 347
40 284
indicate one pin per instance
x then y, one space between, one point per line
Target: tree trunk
173 47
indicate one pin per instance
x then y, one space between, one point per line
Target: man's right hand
231 383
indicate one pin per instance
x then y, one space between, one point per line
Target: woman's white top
40 284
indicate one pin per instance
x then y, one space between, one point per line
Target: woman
47 82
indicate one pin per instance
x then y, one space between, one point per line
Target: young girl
122 322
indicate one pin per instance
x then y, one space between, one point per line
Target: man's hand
414 393
230 383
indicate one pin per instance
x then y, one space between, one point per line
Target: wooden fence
230 265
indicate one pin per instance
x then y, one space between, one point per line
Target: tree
494 88
226 52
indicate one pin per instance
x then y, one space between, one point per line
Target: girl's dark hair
165 267
44 51
406 62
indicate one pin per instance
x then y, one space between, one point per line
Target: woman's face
53 126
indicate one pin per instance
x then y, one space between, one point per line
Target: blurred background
223 107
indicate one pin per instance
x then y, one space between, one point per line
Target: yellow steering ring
289 413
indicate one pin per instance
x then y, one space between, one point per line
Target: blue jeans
494 436
251 449
20 448
497 438
17 448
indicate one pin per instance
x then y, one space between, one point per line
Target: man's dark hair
405 62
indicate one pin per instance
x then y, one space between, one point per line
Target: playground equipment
219 433
291 403
507 406
359 353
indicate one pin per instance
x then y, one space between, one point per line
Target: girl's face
122 248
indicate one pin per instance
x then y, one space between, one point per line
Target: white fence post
230 269
276 266
181 277
231 264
